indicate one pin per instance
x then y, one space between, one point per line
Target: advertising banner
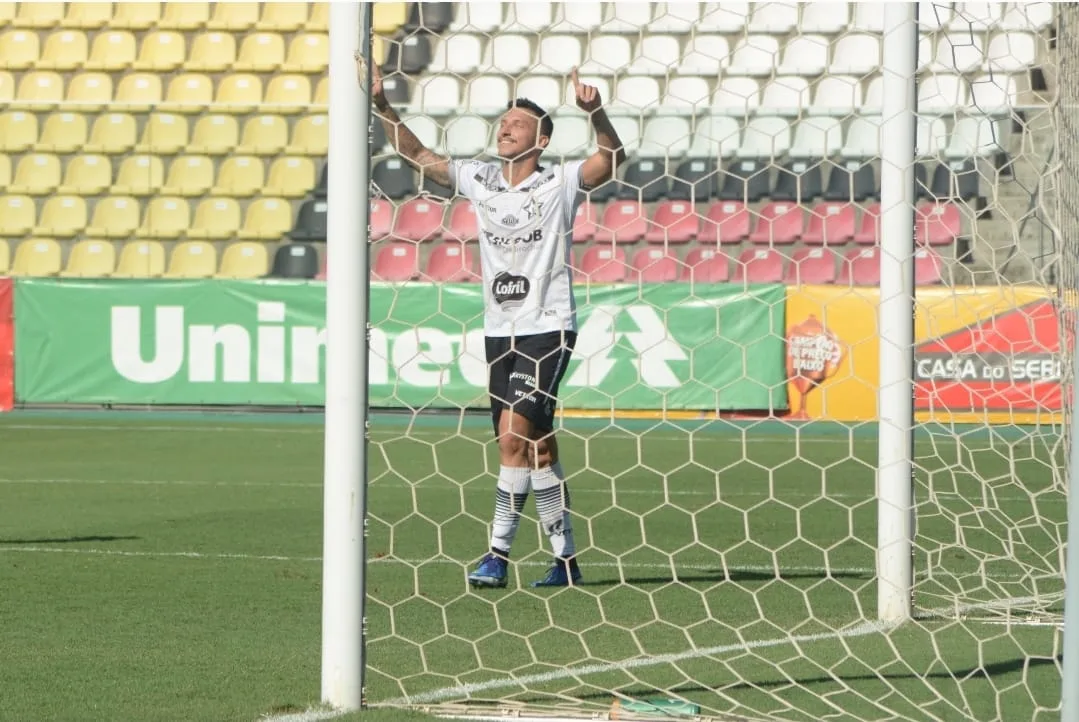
7 351
982 355
263 343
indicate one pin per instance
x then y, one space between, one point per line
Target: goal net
718 420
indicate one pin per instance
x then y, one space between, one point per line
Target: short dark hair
546 125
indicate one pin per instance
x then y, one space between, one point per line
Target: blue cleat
561 574
491 572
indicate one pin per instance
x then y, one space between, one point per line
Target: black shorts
524 373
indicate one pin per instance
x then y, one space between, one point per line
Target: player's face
518 135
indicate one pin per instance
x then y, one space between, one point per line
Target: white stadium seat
716 136
1011 52
629 132
755 55
574 17
863 138
686 95
477 17
528 17
704 55
804 55
993 94
855 54
785 96
779 18
542 89
633 94
461 53
436 94
426 129
765 137
467 136
837 95
972 137
656 55
626 17
932 134
676 17
608 54
829 18
933 16
941 93
868 17
959 53
724 17
509 54
572 136
558 54
817 137
1033 16
665 136
736 96
487 94
978 17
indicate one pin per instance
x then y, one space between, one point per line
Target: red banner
7 346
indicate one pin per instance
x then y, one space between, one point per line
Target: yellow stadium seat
215 135
233 16
141 259
184 15
18 131
189 93
61 217
138 92
113 133
112 50
307 53
87 175
282 17
164 133
212 52
40 90
165 217
310 136
114 217
238 94
290 177
5 258
64 50
5 170
267 219
37 257
136 15
90 259
216 219
319 20
322 92
189 175
7 87
139 175
63 133
244 260
36 174
192 259
87 16
38 15
239 176
19 49
386 18
260 53
288 94
7 13
263 135
17 215
90 92
161 51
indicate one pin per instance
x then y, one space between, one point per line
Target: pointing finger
574 78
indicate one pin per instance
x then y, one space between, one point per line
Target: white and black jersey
525 232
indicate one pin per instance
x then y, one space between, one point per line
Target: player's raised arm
599 167
404 141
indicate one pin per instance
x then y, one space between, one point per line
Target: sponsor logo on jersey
509 290
535 236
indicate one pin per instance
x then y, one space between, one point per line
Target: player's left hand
587 95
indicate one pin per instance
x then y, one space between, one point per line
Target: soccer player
525 215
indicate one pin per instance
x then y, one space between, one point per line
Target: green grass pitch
166 567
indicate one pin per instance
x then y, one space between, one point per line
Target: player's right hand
378 95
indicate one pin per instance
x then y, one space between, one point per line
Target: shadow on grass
719 575
69 539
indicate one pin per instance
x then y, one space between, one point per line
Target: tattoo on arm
404 141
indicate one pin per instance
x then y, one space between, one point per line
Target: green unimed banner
263 343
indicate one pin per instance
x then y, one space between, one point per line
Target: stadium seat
584 222
394 178
322 187
112 50
655 55
779 18
557 54
260 52
90 92
928 267
114 217
267 219
165 218
459 54
787 96
141 259
244 260
838 95
685 95
112 133
432 17
7 87
212 52
436 95
826 18
387 17
673 222
973 137
185 16
418 220
310 53
674 17
467 136
1011 52
705 265
37 257
816 138
451 262
215 135
759 265
290 94
189 93
765 137
161 51
296 261
64 50
136 16
937 224
655 265
643 180
511 55
715 136
310 222
396 261
725 222
608 53
811 266
941 94
704 55
5 257
86 175
623 221
90 259
869 225
263 135
282 17
577 17
19 49
36 174
486 95
318 21
189 175
993 94
626 17
737 96
531 17
462 225
239 176
483 17
61 217
17 215
139 175
804 55
39 90
852 181
856 54
777 224
87 15
192 259
163 133
380 219
5 170
744 180
830 224
240 93
798 181
18 131
754 55
603 263
956 179
138 92
233 16
62 133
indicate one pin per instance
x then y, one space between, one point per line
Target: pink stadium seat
463 225
726 222
778 224
869 226
418 220
623 222
452 262
604 263
381 219
937 224
811 266
759 265
830 224
860 267
673 222
584 222
656 265
397 262
927 267
706 265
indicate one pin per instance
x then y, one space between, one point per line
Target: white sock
510 497
552 505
